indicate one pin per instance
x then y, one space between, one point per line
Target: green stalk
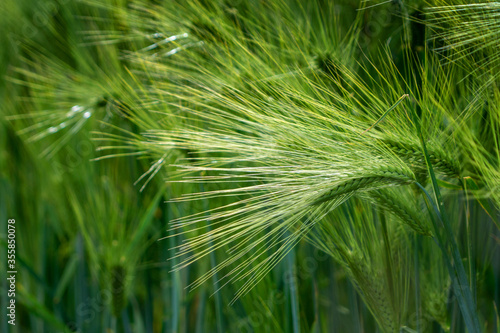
388 252
448 245
175 289
215 279
294 302
472 268
200 313
416 243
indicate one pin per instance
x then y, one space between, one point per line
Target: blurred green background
91 252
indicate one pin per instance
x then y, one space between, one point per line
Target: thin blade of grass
485 204
39 310
386 112
67 276
447 243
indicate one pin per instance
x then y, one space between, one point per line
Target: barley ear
374 290
411 154
369 180
395 204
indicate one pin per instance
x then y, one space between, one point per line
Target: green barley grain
374 291
391 202
412 154
385 176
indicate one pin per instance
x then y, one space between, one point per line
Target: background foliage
304 166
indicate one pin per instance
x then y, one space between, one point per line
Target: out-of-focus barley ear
374 290
435 285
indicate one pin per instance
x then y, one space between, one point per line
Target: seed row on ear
393 204
374 290
412 154
374 179
447 166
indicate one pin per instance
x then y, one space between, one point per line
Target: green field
250 166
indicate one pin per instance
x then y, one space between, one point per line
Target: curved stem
446 241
